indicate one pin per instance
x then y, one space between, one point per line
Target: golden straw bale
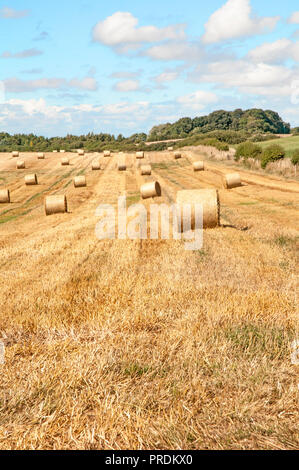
198 166
209 199
4 196
20 164
65 161
40 156
232 180
31 180
152 189
146 169
55 204
80 181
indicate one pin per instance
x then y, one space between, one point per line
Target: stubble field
129 344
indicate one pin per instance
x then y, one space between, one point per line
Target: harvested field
140 344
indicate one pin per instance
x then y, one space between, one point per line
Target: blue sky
75 66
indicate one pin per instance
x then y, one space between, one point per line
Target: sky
79 66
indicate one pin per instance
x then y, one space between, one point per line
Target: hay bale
4 196
139 154
121 166
152 189
40 156
209 199
65 161
81 152
62 151
107 153
96 165
55 204
199 166
232 180
80 181
20 164
177 155
14 153
55 151
170 149
146 169
31 180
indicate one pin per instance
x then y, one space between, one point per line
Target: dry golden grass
140 345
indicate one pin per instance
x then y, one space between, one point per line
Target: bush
248 150
295 157
271 154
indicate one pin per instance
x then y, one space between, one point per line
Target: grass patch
258 340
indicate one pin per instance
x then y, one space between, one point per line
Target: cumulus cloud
234 20
166 77
16 85
176 50
121 31
275 52
21 55
127 85
250 78
10 13
294 18
197 100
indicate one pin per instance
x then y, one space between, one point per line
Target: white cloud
87 83
258 79
176 50
10 13
121 31
127 85
21 55
166 77
294 18
16 85
234 20
197 100
275 52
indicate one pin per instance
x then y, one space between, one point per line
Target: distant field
288 143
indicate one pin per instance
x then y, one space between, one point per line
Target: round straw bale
232 180
80 152
20 164
40 156
55 204
209 199
62 151
107 153
177 155
198 166
121 166
55 151
65 161
146 169
79 181
152 189
14 154
31 180
170 149
139 154
96 165
4 196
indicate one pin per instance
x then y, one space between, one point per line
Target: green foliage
200 140
295 130
251 121
248 150
271 154
295 157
